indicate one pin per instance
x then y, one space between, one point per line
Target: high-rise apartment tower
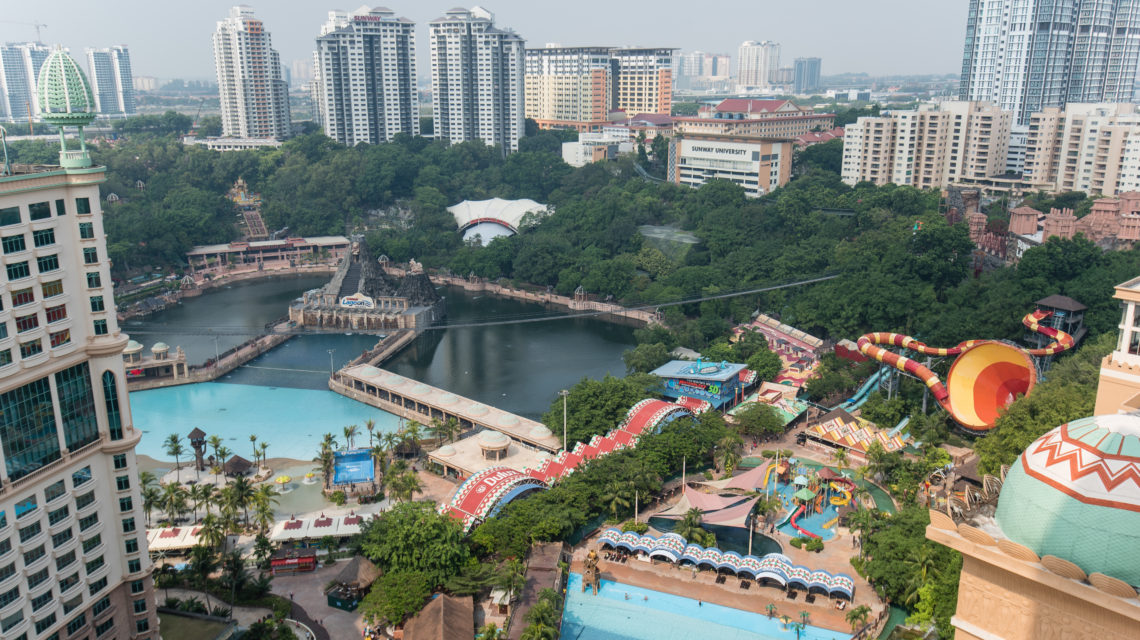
111 80
254 98
806 75
19 70
756 62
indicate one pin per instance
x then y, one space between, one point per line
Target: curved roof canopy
492 218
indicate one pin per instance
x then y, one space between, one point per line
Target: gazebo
237 466
805 495
444 618
352 583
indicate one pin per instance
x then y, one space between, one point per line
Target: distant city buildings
806 75
644 80
19 69
111 80
477 72
301 73
364 87
756 62
700 71
930 147
569 87
1093 148
254 99
145 83
1026 55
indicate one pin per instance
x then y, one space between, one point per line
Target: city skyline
860 42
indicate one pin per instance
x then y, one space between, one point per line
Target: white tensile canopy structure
494 218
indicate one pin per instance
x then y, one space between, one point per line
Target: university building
759 165
761 118
73 548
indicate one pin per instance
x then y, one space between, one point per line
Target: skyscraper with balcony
569 87
254 98
1025 55
111 80
755 64
73 548
365 76
806 75
643 80
477 79
19 70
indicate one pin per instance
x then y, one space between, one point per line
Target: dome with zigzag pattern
64 94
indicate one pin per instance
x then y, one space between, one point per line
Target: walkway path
244 616
307 591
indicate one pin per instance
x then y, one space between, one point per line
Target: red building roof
744 105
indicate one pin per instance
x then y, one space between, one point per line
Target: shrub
171 603
220 611
708 474
768 453
814 544
636 527
338 498
797 542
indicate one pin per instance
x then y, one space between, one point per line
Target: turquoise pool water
809 521
291 421
653 615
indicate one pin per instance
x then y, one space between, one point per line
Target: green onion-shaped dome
1075 494
64 94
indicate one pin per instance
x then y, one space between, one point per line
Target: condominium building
476 79
254 98
756 62
806 71
698 70
760 118
73 547
931 147
759 165
111 80
1093 148
643 80
569 87
1026 55
19 69
365 76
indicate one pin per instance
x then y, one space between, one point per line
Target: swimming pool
353 466
653 615
291 421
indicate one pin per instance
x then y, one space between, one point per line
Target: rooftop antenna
7 168
37 26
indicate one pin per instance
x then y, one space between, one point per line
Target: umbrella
800 481
309 475
805 494
282 479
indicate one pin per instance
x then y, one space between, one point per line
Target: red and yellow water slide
987 376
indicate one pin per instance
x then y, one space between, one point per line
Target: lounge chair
809 598
792 594
745 584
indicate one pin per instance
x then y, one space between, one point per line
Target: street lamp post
332 370
564 393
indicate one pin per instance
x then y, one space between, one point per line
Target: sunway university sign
357 300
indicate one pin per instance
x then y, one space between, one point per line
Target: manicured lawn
183 628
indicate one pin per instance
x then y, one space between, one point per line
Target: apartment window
81 477
37 578
9 596
45 624
134 565
123 483
60 208
82 206
33 555
43 237
90 255
29 349
94 565
111 401
13 244
125 505
63 536
40 601
60 338
105 602
137 586
5 356
87 522
12 620
30 531
142 625
57 516
86 230
65 560
100 327
120 460
54 491
52 289
97 586
3 331
76 624
27 323
9 216
104 627
95 541
27 505
55 314
18 271
140 605
96 303
39 210
7 572
94 281
132 545
47 264
128 525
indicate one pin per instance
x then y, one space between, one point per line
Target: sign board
358 301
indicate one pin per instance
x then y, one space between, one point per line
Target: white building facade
19 69
758 165
111 80
755 64
477 79
254 98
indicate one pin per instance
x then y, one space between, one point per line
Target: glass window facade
43 237
86 230
77 406
54 491
82 206
111 400
27 428
18 271
39 210
53 288
13 244
90 255
81 477
97 304
9 216
47 264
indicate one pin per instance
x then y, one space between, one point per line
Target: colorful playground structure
483 494
814 495
773 567
986 377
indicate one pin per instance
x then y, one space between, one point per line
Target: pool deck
670 578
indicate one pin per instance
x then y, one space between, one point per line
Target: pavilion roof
359 573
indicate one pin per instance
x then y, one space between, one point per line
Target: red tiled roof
170 533
293 524
658 119
321 523
750 106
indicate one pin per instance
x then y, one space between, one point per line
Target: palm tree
215 443
804 617
405 485
146 479
379 460
412 434
235 574
173 500
263 446
858 616
223 454
253 444
453 429
771 608
690 529
437 430
490 631
370 426
785 619
243 494
196 493
727 451
328 440
325 460
350 435
922 564
390 441
202 564
616 496
207 497
839 455
173 447
211 534
512 578
539 631
152 498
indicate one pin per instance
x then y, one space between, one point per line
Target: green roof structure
1075 494
805 494
65 100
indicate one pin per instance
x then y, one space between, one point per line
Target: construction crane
36 25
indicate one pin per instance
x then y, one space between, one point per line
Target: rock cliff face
375 282
419 290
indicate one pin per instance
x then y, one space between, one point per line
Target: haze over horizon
878 37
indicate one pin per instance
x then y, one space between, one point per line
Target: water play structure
984 379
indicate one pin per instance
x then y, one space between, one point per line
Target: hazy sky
172 39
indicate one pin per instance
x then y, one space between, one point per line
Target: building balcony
62 549
19 627
12 579
36 565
